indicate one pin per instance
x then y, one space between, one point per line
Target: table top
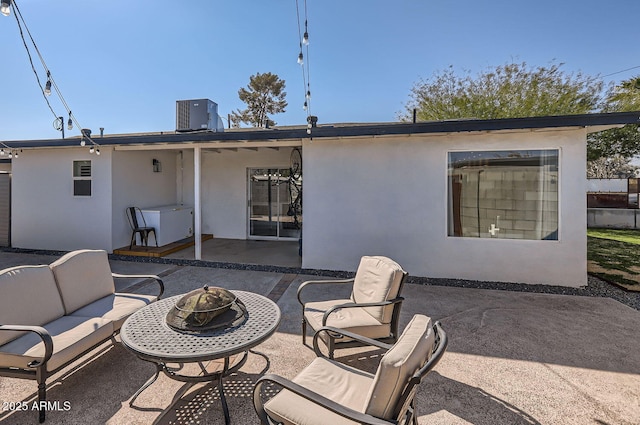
147 334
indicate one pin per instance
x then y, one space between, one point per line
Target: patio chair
144 230
328 392
373 309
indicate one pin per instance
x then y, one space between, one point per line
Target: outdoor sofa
52 315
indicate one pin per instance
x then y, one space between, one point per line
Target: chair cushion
412 350
338 382
29 297
377 279
115 307
83 276
356 320
71 336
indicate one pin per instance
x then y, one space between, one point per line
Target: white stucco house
495 200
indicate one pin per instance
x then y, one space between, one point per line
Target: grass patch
614 255
628 236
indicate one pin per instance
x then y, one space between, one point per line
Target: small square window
82 188
81 178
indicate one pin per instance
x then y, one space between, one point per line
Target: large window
503 194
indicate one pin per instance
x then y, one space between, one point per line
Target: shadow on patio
513 358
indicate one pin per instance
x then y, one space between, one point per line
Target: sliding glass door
275 204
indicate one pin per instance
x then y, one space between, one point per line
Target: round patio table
149 337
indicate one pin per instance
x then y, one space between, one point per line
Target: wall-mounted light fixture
157 166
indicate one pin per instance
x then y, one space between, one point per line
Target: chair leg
133 239
42 394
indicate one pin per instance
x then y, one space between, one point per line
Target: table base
172 373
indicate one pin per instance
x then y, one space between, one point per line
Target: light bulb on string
82 142
300 58
5 7
98 151
91 149
70 122
308 95
305 106
2 152
305 38
16 155
47 88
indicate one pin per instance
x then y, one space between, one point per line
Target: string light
304 62
50 83
5 7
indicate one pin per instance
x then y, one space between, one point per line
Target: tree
264 95
623 141
615 167
506 91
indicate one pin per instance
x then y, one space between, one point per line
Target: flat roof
604 120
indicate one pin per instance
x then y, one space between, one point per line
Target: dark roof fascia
333 131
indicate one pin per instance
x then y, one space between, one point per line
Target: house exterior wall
136 184
224 186
46 214
388 196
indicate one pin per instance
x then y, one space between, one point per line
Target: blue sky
122 65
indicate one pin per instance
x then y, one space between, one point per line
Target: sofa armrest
320 282
138 276
44 336
311 396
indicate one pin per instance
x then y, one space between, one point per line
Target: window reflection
503 194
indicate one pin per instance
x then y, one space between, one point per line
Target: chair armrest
312 397
320 282
336 333
333 308
44 336
138 276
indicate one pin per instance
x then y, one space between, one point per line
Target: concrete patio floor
513 358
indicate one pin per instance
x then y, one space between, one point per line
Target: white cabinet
172 222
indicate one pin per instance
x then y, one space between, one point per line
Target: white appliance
172 222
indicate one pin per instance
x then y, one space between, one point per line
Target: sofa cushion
408 354
355 320
29 297
115 307
377 279
71 336
83 276
338 382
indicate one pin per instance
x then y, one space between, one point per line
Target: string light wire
72 117
303 42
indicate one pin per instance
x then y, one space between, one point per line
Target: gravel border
595 287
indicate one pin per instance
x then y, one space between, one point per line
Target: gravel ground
595 287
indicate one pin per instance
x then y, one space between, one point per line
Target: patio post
197 207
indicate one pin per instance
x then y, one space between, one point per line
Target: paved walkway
513 358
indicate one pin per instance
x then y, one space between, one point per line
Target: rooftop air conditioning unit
198 114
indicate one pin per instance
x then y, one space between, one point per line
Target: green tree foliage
264 95
614 167
506 91
624 141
